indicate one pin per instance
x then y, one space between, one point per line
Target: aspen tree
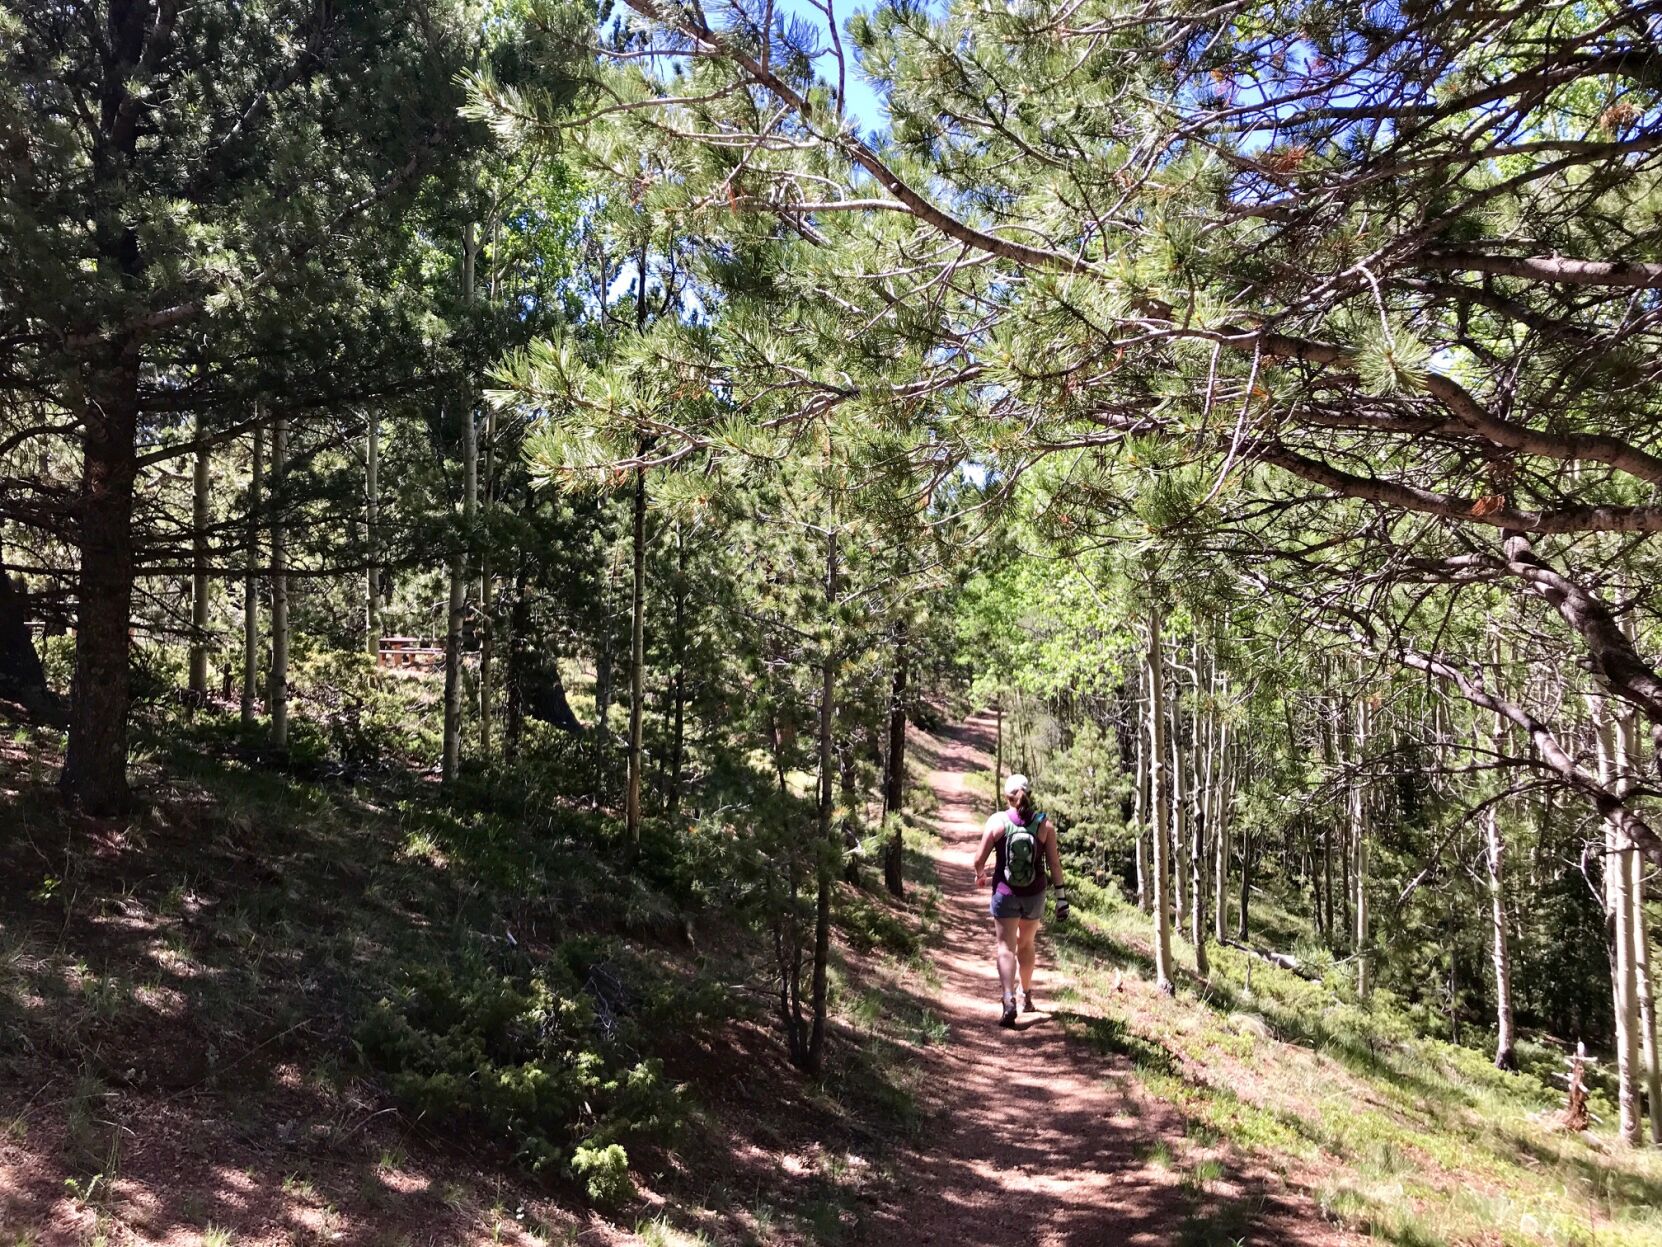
1160 802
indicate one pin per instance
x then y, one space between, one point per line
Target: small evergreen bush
550 1060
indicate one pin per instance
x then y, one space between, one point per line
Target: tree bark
1647 998
827 832
998 748
519 624
1220 833
22 677
1359 832
1140 816
372 535
1506 1057
277 684
678 725
200 584
1159 794
1197 885
894 787
637 659
637 600
1179 786
95 767
95 763
251 581
1619 872
456 614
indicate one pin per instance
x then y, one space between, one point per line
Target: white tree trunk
1199 790
1140 818
1647 998
1505 1037
1159 801
1506 1056
1624 991
1220 837
1179 787
1359 835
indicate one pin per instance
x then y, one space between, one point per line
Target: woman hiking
1023 842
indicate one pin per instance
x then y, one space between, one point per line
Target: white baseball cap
1015 784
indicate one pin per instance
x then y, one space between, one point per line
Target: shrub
605 1173
548 1060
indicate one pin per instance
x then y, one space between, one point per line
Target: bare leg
1008 934
1027 948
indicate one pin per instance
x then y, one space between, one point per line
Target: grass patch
1402 1136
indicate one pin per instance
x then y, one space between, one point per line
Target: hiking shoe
1027 1005
1009 1018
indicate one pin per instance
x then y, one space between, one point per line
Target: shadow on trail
1044 1138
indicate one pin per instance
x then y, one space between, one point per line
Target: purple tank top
1001 884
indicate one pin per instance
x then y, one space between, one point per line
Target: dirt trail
1041 1140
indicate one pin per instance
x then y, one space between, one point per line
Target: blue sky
863 103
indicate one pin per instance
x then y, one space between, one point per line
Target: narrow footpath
1038 1140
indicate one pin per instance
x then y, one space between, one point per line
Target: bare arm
1053 855
989 837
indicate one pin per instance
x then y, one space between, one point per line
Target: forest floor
1039 1136
178 1066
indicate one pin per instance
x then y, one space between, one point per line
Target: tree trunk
1619 872
678 725
1359 830
1159 799
1140 818
455 618
199 582
1179 786
1506 1057
456 614
519 624
487 603
22 677
1647 998
1220 833
372 535
251 581
827 846
637 660
1197 892
277 684
95 763
998 748
894 787
95 767
1633 763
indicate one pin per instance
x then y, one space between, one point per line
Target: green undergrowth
496 963
1408 1138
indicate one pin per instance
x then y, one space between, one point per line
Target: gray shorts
1009 905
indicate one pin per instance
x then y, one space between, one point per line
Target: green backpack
1021 850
